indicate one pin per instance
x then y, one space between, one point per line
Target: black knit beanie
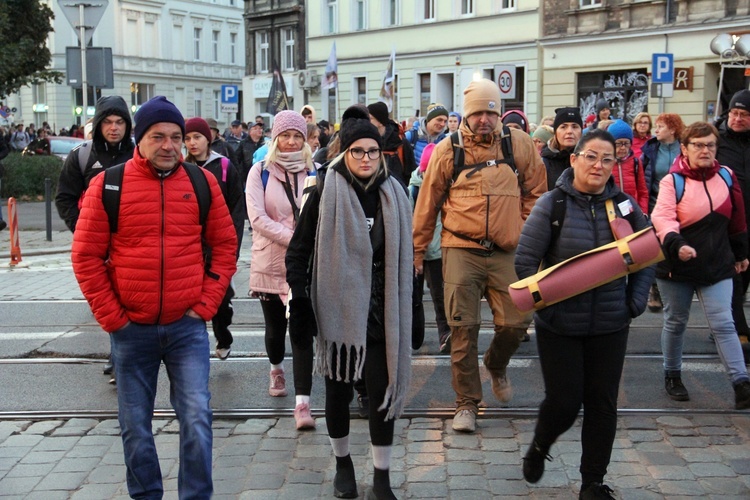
379 111
353 129
740 100
567 115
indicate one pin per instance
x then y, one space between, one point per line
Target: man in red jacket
149 287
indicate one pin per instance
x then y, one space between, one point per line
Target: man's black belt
488 245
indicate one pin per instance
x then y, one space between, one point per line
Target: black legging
223 318
339 395
740 282
274 314
581 370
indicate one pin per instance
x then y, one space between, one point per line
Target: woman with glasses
581 340
700 220
358 286
274 194
657 157
641 132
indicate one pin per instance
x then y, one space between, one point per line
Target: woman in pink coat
274 195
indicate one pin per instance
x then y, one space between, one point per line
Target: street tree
24 55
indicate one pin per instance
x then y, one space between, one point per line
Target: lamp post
733 52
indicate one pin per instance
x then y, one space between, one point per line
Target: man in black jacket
734 152
110 146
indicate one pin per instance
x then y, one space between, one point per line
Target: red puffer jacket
152 271
629 177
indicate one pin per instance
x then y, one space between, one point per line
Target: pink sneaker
278 384
303 418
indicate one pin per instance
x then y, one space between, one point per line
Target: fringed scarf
341 284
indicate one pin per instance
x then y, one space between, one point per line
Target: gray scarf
342 275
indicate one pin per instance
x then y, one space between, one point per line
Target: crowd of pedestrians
469 203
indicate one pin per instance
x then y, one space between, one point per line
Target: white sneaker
223 353
465 421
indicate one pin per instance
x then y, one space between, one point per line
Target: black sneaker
344 483
596 491
742 396
533 463
445 344
108 368
363 406
3 224
675 389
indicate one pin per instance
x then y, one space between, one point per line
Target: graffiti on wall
625 91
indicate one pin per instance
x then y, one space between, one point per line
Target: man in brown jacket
483 211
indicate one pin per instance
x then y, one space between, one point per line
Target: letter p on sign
662 68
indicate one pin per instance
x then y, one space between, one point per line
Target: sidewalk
654 457
666 457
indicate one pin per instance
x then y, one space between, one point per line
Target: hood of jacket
107 106
392 138
556 154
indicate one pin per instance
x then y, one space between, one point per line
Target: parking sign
230 99
662 68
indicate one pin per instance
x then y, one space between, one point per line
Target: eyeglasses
700 146
359 153
740 115
592 159
622 144
643 122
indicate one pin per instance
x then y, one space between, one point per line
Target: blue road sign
662 68
229 94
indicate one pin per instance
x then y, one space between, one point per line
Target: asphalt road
32 216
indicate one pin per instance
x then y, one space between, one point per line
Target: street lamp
733 52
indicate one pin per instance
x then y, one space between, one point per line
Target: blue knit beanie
157 109
620 130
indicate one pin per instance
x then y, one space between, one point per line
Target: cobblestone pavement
664 457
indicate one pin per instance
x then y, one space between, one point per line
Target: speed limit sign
505 77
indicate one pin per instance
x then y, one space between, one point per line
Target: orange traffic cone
15 245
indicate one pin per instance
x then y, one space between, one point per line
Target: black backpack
111 191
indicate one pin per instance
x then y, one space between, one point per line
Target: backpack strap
202 190
679 182
224 168
111 192
84 152
557 215
263 174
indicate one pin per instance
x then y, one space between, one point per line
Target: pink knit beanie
288 120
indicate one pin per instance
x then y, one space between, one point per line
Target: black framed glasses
359 153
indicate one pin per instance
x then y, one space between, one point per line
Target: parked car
61 145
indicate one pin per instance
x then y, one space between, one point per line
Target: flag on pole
386 90
277 98
331 79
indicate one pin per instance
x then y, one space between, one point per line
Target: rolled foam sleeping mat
587 271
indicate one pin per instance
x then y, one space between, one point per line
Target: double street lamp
733 52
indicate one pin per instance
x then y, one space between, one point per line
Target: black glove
417 312
302 325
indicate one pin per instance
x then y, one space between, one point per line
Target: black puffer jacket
74 178
392 141
555 162
734 152
605 309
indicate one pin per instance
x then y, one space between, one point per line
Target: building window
178 43
332 15
626 91
429 10
393 12
198 102
132 34
507 4
590 3
288 57
233 48
217 102
467 7
263 52
39 94
215 46
151 40
139 94
361 85
425 92
196 43
359 23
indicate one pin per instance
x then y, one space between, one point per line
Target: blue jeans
716 300
138 351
